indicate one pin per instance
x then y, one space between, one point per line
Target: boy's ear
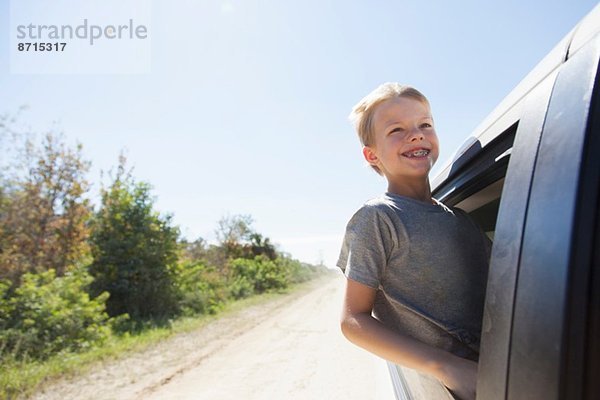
370 155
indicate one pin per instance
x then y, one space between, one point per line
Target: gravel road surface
288 348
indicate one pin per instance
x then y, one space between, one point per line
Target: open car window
477 187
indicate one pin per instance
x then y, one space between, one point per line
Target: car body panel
586 30
543 282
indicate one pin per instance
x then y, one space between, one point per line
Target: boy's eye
426 125
398 129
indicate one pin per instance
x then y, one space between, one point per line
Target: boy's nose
415 135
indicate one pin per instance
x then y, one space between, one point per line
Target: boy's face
405 143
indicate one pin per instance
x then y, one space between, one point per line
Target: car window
477 187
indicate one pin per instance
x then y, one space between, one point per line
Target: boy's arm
457 374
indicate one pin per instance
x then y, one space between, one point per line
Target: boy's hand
460 376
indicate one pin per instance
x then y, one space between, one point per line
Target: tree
43 212
134 251
194 251
239 240
233 233
260 245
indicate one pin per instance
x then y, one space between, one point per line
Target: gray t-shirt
429 264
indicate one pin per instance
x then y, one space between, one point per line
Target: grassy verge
21 378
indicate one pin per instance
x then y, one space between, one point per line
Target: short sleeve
366 247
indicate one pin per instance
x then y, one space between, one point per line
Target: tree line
72 274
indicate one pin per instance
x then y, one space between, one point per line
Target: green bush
47 315
201 289
241 287
262 272
296 271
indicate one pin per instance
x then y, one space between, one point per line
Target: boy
416 270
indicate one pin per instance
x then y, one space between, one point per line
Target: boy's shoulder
392 209
381 201
390 202
377 205
378 210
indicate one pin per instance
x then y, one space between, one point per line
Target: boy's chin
413 175
422 170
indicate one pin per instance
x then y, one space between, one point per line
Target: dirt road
289 348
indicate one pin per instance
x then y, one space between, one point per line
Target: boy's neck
418 190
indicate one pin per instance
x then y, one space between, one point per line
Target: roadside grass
19 379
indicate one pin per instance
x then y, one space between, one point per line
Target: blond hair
362 113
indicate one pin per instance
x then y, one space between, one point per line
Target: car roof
508 111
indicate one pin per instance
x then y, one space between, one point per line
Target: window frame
504 263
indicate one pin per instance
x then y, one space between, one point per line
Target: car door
538 327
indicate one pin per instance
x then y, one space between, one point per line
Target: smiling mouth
419 153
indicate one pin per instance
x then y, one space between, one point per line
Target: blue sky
244 108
